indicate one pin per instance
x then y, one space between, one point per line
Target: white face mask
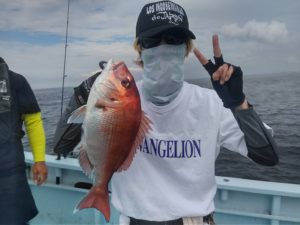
163 73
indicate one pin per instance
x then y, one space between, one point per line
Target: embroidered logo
173 18
169 11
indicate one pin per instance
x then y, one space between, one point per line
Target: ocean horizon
274 97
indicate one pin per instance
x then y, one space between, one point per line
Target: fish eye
125 83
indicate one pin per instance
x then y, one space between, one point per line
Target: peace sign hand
227 79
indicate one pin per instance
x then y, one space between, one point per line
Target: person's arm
227 80
36 135
37 141
31 115
67 136
260 143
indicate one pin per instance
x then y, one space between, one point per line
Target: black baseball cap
162 16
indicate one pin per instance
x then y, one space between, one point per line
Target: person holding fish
18 105
157 140
171 180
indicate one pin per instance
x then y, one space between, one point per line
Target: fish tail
96 198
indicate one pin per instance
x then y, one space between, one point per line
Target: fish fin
145 127
85 163
92 175
77 148
96 198
77 116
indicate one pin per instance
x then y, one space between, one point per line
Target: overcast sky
261 36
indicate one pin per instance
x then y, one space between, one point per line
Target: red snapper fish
113 127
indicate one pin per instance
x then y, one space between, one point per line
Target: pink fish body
113 127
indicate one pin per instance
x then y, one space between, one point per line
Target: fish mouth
122 71
117 65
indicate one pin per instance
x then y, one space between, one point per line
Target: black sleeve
260 143
82 91
25 97
67 136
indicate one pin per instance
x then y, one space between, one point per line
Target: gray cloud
105 29
273 31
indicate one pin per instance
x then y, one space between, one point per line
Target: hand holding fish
226 78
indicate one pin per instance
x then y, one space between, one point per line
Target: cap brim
157 30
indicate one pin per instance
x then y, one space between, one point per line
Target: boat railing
238 201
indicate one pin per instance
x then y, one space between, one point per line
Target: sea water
276 98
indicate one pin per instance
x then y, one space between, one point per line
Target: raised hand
226 79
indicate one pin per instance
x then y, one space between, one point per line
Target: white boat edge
238 201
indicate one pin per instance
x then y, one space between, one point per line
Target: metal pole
64 70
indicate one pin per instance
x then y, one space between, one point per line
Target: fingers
35 176
219 74
229 73
217 53
40 173
216 46
219 70
40 178
202 59
223 74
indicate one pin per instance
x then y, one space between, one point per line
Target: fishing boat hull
238 201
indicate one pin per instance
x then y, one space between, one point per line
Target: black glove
231 92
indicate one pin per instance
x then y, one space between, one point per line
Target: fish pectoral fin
78 115
145 127
110 103
85 163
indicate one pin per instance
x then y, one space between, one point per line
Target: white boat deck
238 201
